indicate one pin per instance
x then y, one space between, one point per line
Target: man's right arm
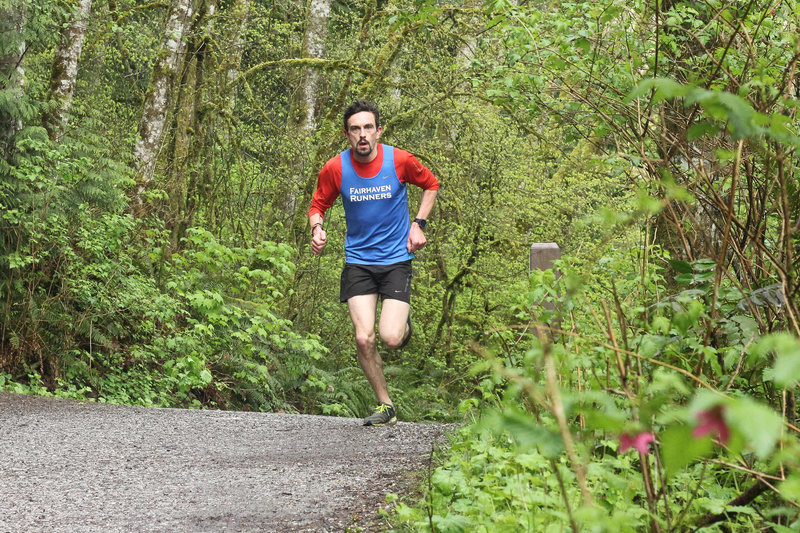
318 235
328 184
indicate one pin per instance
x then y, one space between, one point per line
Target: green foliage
663 342
207 334
653 370
83 316
232 296
48 239
488 484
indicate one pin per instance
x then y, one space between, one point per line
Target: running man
380 241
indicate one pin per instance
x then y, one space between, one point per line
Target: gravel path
72 466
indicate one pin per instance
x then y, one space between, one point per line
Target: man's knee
365 341
393 339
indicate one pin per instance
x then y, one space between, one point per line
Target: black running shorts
390 281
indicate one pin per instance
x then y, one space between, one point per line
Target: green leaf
667 381
648 204
679 448
448 481
780 130
452 523
704 265
596 419
664 89
651 345
779 528
740 509
759 425
661 325
682 267
786 371
790 488
527 433
740 115
701 129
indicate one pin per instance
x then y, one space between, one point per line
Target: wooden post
542 257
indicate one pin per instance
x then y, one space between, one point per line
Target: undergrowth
618 416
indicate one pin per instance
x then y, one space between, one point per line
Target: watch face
422 222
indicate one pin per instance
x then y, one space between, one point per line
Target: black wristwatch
421 222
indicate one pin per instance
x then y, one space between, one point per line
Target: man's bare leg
362 313
393 324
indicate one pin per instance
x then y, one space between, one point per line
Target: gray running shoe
382 416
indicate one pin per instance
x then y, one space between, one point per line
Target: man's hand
416 239
318 240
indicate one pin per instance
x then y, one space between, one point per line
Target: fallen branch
743 499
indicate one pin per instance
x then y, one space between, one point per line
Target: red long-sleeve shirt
409 170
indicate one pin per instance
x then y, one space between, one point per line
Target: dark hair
362 105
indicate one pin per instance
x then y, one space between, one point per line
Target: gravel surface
73 466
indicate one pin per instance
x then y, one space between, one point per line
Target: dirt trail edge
73 466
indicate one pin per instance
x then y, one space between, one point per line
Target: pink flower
711 422
640 442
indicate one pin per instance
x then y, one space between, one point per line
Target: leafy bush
88 315
627 414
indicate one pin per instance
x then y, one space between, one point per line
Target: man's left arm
416 237
416 173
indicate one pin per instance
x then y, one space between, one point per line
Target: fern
344 392
45 194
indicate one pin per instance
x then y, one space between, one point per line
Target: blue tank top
376 212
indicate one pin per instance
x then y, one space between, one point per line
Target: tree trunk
191 151
65 70
203 113
227 73
319 14
156 105
232 62
306 102
12 74
330 129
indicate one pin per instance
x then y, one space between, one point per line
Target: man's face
363 135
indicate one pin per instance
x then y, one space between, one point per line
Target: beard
365 149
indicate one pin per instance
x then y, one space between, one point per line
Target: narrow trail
76 466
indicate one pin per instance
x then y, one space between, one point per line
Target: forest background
158 162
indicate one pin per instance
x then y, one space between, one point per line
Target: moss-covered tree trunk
306 101
157 102
190 156
65 70
12 73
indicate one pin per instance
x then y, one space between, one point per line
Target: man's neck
366 159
